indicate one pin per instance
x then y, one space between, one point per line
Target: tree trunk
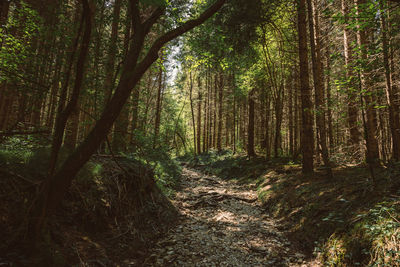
267 128
209 129
291 88
199 122
307 134
158 108
394 119
250 132
278 121
112 50
205 119
368 95
329 100
59 183
50 193
234 117
192 111
119 141
72 127
318 78
215 112
120 137
352 106
220 102
65 113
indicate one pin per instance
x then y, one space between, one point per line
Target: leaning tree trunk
46 198
158 108
132 71
109 67
121 125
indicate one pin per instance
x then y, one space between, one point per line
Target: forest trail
222 224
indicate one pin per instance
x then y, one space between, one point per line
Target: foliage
166 170
334 218
107 199
16 39
373 238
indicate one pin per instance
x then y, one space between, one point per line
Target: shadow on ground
342 221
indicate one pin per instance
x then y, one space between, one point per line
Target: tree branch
152 54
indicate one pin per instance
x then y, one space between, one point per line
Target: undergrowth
113 202
229 166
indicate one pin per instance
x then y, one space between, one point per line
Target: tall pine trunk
307 132
352 106
250 130
220 118
365 83
317 68
394 119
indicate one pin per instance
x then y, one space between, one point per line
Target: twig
21 177
114 158
118 236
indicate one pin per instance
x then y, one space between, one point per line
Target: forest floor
222 224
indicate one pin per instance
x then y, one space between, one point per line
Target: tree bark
267 128
278 120
368 94
329 100
318 78
250 130
112 50
205 118
192 111
220 118
291 88
158 108
199 120
352 106
49 193
119 140
394 119
307 133
234 117
62 112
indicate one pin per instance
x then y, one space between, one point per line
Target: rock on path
221 224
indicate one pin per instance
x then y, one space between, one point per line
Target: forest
200 133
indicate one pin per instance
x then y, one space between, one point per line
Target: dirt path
221 224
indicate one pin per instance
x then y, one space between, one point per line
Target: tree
307 133
133 69
352 110
394 118
317 68
365 83
250 132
